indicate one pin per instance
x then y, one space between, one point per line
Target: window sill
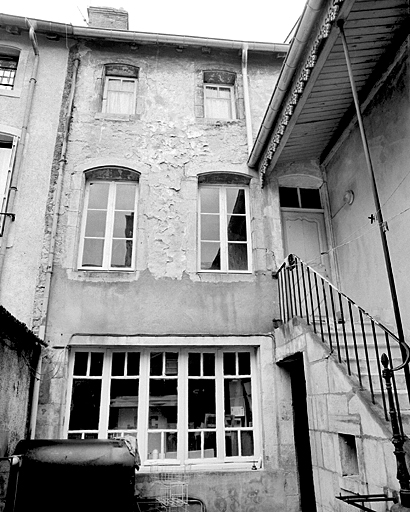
117 117
217 467
15 93
226 277
219 122
103 275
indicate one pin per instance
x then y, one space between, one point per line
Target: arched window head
108 234
120 89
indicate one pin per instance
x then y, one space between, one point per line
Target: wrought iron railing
357 339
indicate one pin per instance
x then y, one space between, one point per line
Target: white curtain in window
218 102
120 96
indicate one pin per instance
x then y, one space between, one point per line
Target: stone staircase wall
350 439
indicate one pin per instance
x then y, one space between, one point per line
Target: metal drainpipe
248 115
51 251
20 149
379 216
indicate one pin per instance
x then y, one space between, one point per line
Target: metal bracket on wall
358 500
11 215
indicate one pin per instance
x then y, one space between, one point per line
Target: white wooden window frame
232 100
223 225
6 172
143 430
109 227
106 92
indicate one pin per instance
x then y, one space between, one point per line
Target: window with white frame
8 145
184 405
108 233
219 95
224 227
9 58
120 89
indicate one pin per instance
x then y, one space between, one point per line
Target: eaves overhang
317 105
127 36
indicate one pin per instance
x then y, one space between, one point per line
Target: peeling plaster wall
24 245
169 143
360 255
335 406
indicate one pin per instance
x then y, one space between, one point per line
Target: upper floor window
7 153
297 197
185 405
109 220
219 95
120 89
8 67
224 223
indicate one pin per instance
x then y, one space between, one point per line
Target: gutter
308 19
66 30
246 99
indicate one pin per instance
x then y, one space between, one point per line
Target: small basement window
348 455
295 197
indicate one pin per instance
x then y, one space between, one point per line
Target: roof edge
129 36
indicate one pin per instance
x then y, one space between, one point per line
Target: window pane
95 225
237 257
154 445
247 443
210 227
231 443
163 406
93 252
235 200
121 255
128 85
194 364
123 224
229 363
114 84
210 444
237 228
209 364
85 404
211 92
171 445
209 200
224 92
238 402
123 404
125 198
96 366
118 363
80 363
218 108
133 363
201 403
195 440
210 256
310 198
288 197
244 360
156 363
171 363
98 196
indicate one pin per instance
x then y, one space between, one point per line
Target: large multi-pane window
219 94
109 223
8 69
183 405
224 229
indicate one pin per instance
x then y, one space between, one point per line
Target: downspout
20 149
52 244
248 114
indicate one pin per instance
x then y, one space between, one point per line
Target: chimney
107 17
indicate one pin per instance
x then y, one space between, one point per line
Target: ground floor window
183 405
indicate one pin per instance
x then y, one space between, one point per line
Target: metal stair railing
356 338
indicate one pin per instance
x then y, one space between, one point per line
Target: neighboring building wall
337 412
24 244
357 240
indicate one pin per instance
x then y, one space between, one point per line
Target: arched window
120 89
224 222
9 58
219 94
108 233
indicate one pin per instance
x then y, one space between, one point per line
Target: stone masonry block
374 461
319 377
329 453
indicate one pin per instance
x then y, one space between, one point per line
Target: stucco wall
24 245
359 251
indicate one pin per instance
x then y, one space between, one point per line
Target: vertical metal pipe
379 215
304 292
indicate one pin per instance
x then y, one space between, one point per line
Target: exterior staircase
355 338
